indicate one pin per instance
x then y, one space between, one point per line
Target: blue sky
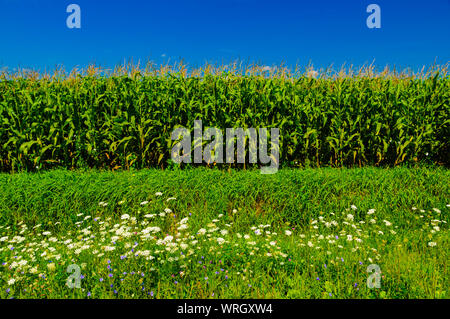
413 33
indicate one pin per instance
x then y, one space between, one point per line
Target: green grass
410 213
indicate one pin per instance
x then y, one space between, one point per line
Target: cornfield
124 119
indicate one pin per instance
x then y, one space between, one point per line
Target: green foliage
295 234
125 121
290 196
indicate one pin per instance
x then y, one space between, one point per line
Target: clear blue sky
413 32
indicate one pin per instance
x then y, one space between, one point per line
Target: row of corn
125 121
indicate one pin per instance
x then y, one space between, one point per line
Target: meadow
207 233
92 206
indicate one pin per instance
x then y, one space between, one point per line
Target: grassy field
205 233
93 206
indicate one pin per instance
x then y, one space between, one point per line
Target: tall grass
215 234
290 196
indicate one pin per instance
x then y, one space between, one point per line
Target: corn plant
124 119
